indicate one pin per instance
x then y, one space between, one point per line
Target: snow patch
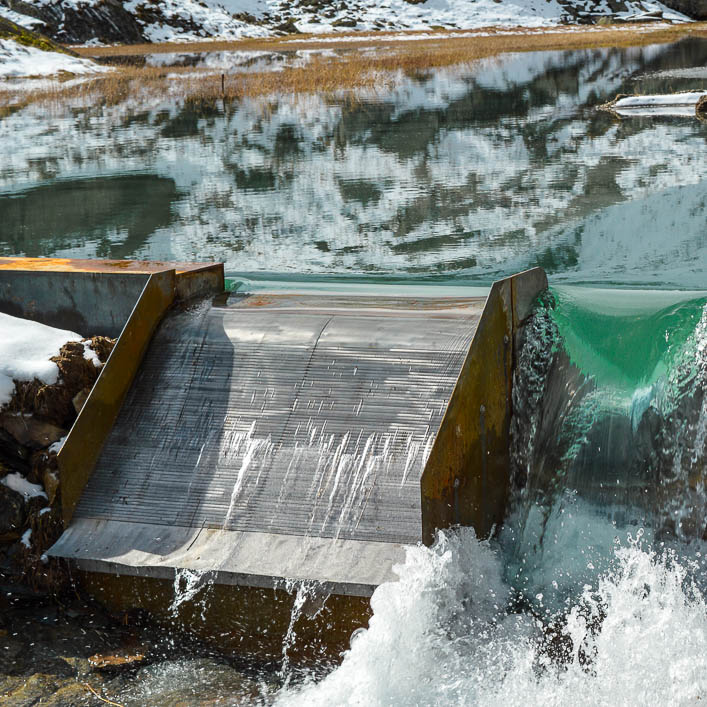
90 355
19 60
56 446
688 98
22 20
26 348
18 483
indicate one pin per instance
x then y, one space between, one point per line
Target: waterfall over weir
279 460
270 443
594 591
609 424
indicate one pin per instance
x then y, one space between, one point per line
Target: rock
72 693
102 346
696 9
13 456
50 481
54 403
112 662
289 27
701 107
12 511
31 432
32 690
345 22
108 21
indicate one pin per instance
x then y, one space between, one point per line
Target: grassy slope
349 70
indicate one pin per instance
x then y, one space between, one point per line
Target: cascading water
594 591
443 635
608 432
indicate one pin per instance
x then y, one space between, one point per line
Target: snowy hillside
24 53
163 20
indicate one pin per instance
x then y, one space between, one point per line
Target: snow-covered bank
17 60
682 104
46 375
132 21
26 350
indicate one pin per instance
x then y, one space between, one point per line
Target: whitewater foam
444 635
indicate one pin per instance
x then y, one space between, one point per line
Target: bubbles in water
444 634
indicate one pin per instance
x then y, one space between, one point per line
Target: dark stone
118 660
697 9
701 107
345 22
288 27
107 22
13 456
12 511
30 432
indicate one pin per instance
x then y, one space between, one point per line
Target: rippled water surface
461 173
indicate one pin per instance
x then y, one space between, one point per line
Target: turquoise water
626 339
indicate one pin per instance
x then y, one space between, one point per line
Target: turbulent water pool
594 591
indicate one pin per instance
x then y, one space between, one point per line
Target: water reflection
111 213
464 173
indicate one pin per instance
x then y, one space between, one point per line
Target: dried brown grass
631 35
346 71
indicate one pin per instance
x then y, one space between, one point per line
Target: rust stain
258 301
141 267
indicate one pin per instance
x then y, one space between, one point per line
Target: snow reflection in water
462 173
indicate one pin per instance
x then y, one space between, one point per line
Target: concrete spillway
274 438
267 439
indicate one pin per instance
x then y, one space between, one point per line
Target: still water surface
462 174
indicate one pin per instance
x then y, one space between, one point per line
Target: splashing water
443 635
309 601
187 584
590 595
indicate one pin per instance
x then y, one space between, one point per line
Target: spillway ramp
266 421
273 438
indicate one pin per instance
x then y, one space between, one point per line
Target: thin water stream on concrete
594 591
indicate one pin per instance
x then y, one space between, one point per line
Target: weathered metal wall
87 435
245 620
88 303
467 474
